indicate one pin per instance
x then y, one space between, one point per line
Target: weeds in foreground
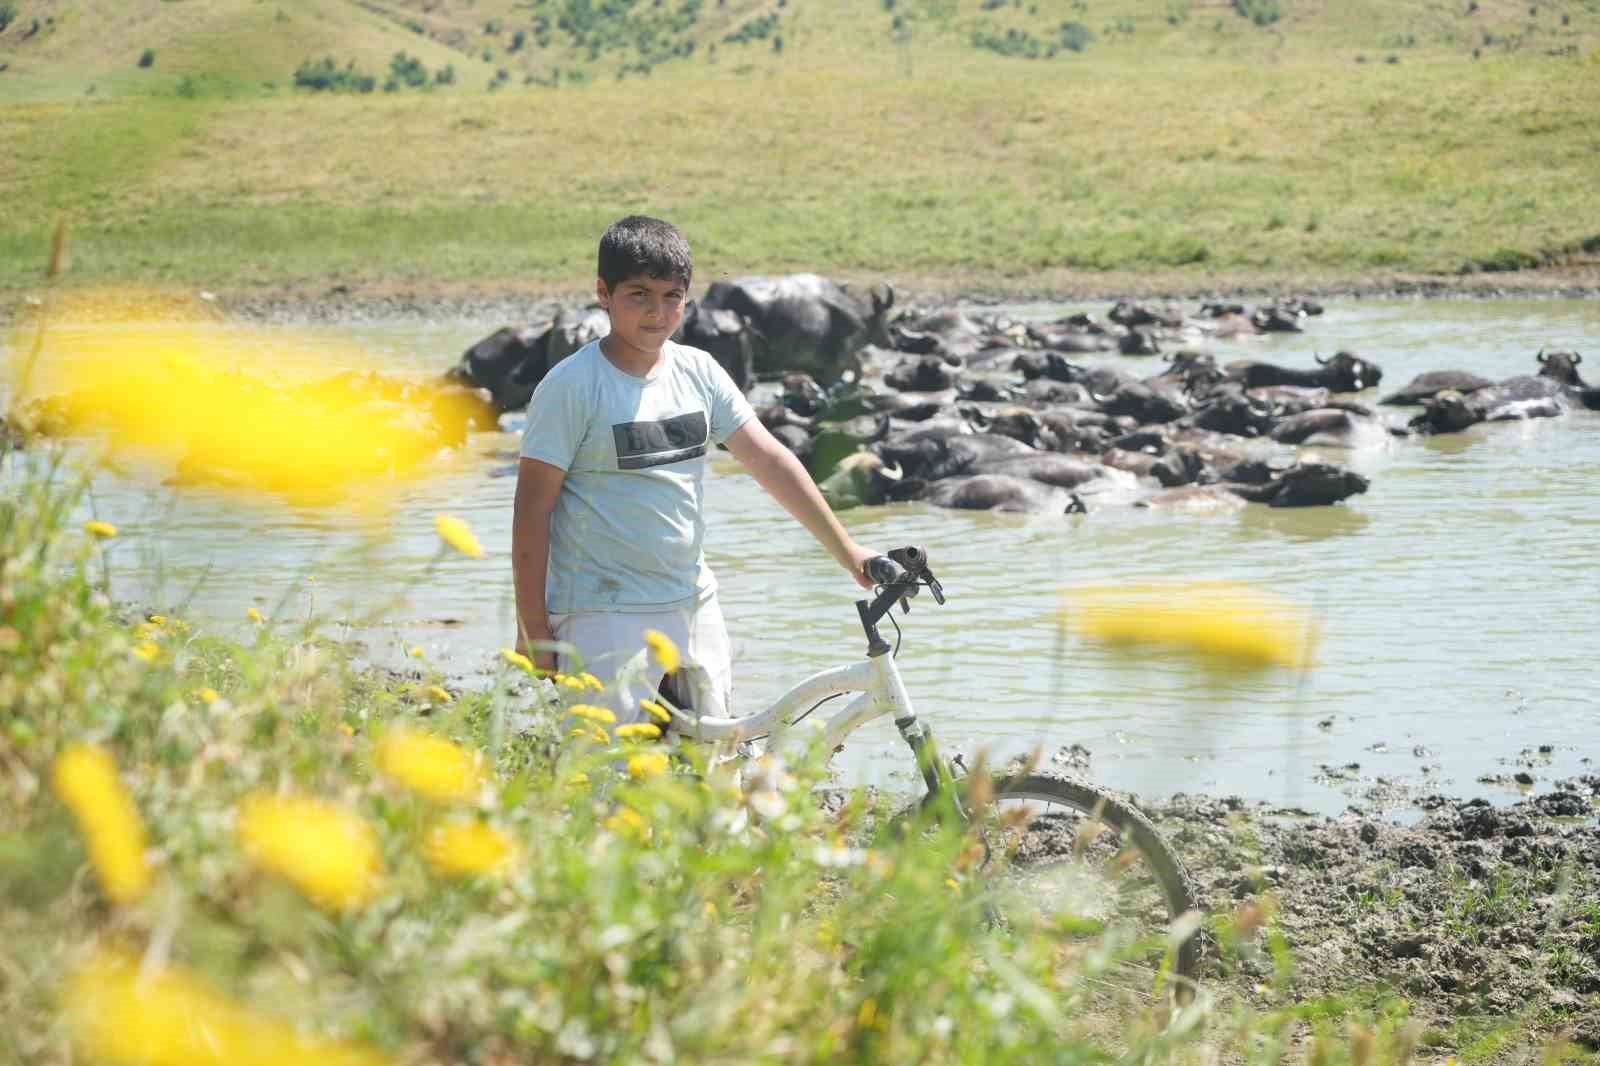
212 852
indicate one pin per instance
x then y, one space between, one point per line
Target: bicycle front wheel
1066 857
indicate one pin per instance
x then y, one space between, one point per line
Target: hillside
1005 143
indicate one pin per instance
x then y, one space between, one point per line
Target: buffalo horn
1320 361
1540 357
1576 358
893 473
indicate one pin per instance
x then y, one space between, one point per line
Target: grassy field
1184 141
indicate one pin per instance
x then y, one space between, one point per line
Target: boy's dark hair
640 245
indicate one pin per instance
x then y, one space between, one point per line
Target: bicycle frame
882 692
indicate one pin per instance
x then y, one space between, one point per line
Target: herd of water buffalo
983 411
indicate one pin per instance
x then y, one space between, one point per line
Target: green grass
1188 148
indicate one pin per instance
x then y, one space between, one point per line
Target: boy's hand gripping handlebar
898 575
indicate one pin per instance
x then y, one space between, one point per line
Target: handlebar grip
883 570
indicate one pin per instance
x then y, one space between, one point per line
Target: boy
608 522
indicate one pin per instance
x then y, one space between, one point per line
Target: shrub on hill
756 29
1261 12
8 13
325 75
147 57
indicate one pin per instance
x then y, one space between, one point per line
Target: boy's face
644 311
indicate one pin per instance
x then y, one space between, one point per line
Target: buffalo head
1237 414
1562 366
1346 372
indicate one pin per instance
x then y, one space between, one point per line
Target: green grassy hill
987 143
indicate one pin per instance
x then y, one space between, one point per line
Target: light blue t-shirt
628 527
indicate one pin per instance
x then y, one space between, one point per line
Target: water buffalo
926 373
1521 397
1142 402
1427 385
1196 373
1302 485
1335 426
508 362
729 338
933 455
1562 367
949 334
1236 413
1139 341
805 322
1344 372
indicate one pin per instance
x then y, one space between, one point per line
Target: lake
1458 597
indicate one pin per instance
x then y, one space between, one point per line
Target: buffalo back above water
805 322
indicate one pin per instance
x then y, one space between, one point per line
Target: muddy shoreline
517 303
1478 915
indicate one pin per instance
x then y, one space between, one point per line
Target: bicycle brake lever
934 587
905 599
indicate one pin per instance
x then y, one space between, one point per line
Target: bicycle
1128 881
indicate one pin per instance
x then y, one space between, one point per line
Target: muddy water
1459 597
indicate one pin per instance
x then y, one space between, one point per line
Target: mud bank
1480 917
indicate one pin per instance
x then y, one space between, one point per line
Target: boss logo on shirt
672 440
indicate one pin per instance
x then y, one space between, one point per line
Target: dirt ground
1482 918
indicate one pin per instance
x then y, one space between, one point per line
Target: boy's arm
777 470
538 485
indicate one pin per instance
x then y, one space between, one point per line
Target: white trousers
606 642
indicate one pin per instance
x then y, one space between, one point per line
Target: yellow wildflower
157 619
148 651
433 767
664 650
656 711
85 779
647 764
417 652
168 1017
254 615
329 854
952 884
462 849
456 533
517 659
638 731
629 823
568 681
579 778
590 681
438 694
1225 626
868 1012
146 630
344 727
207 695
102 530
603 715
598 735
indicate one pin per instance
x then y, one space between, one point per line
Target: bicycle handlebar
905 568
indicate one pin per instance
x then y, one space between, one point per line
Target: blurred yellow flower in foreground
254 615
456 533
602 715
169 1017
629 823
148 651
656 711
329 854
463 849
85 779
664 650
433 767
439 694
207 695
647 764
1225 626
102 530
233 407
517 659
638 731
